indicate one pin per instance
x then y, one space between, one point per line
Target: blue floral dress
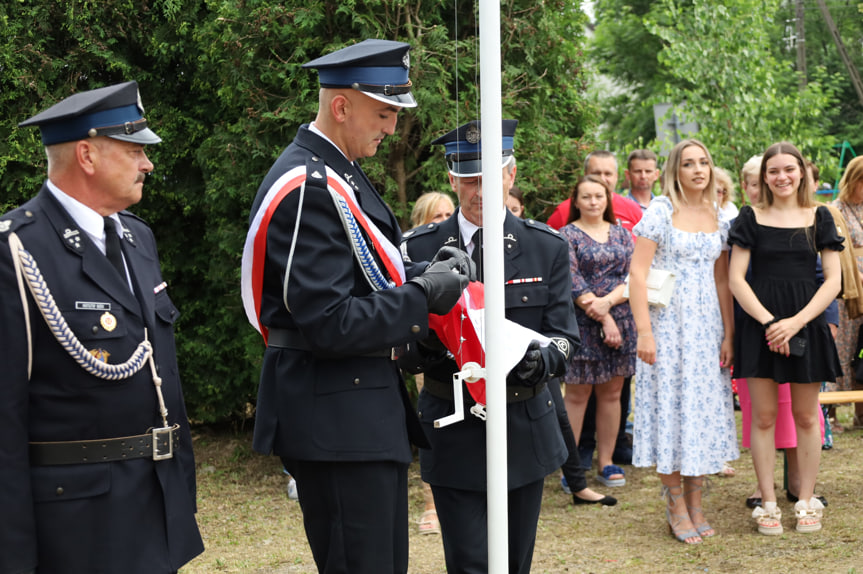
684 410
598 268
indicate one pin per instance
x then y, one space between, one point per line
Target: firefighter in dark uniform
324 283
537 296
96 465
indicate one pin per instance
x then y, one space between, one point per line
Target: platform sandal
768 518
808 515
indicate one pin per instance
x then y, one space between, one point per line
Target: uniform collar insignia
73 238
350 179
510 237
128 236
316 174
5 225
450 239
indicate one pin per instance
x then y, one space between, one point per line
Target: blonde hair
425 206
671 185
850 179
723 180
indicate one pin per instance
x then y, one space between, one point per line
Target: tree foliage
730 69
223 86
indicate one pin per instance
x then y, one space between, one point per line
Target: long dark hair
575 212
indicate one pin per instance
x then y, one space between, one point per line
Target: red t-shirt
627 212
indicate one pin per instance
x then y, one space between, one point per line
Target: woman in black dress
784 338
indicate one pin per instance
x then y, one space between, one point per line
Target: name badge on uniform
92 306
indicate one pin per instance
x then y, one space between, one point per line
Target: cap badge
406 60
472 135
108 321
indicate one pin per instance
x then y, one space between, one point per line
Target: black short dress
783 264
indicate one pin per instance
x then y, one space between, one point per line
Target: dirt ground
250 526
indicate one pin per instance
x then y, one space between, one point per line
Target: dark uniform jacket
131 516
532 251
338 398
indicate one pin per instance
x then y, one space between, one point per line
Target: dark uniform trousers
335 407
133 516
537 296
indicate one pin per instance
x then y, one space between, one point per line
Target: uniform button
549 403
524 299
356 381
60 491
419 414
95 329
28 213
415 329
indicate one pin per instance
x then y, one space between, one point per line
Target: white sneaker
292 489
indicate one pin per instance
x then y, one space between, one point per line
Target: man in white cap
96 465
324 284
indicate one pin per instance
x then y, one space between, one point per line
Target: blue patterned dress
599 268
684 410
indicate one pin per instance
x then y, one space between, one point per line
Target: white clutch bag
660 286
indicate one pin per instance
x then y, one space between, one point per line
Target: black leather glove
531 369
463 262
442 285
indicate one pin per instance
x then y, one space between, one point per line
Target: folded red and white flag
461 331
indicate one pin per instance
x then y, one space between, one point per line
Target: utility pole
801 45
852 71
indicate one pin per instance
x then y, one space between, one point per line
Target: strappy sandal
428 523
809 515
703 528
674 519
768 518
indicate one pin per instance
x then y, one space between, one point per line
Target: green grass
250 526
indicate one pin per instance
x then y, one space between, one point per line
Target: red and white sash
255 248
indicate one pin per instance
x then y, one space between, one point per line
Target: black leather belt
293 339
514 394
107 450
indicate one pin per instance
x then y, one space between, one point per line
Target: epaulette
14 220
418 231
542 227
126 213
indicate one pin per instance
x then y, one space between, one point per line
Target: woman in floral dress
684 412
850 203
599 254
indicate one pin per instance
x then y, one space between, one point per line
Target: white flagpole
492 222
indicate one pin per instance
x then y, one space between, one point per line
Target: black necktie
476 254
112 247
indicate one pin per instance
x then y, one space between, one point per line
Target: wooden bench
840 397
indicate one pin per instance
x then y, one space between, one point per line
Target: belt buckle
165 450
